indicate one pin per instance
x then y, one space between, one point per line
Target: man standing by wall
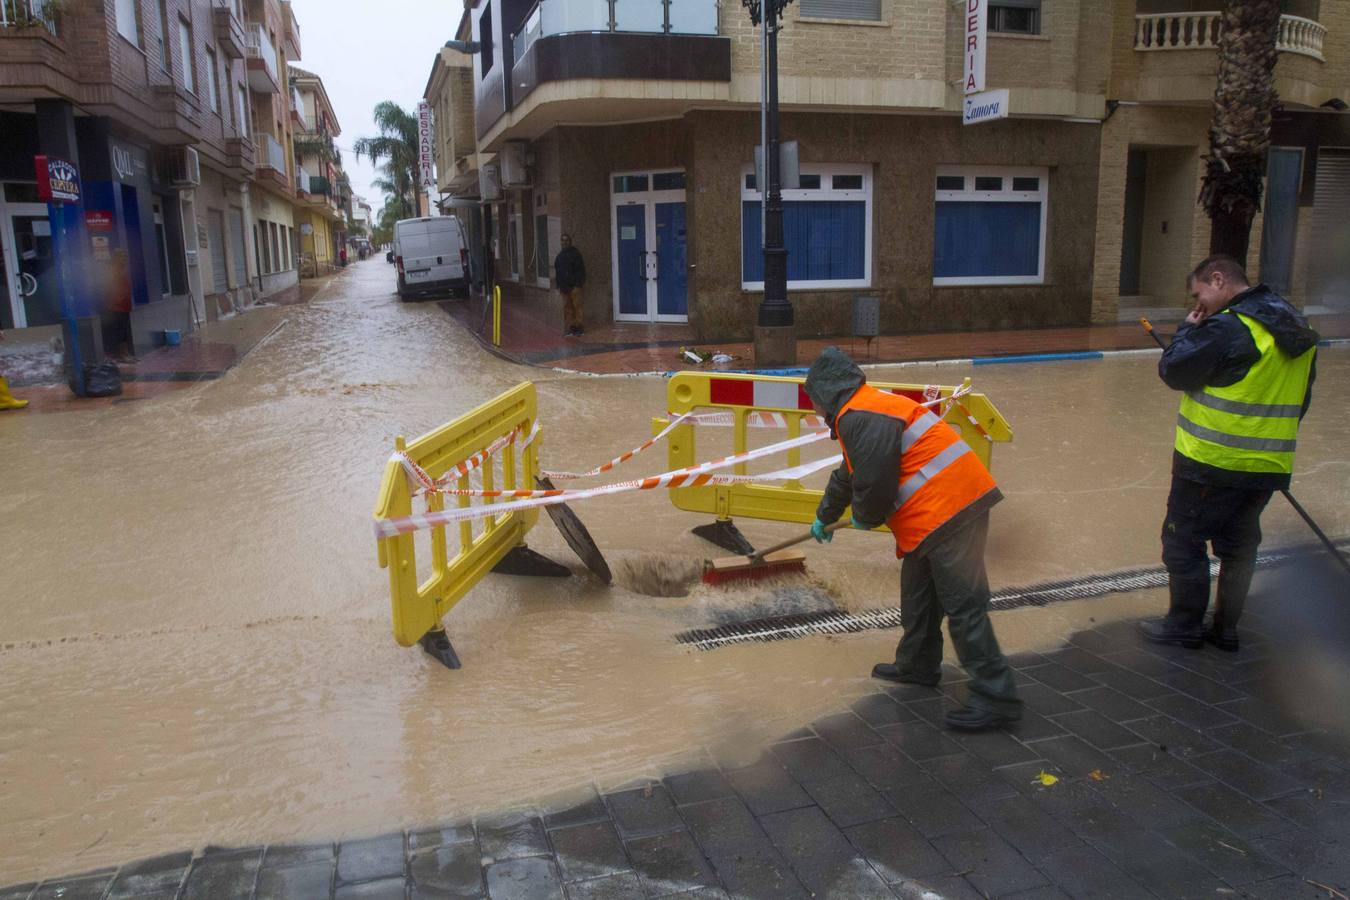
907 468
570 271
1245 359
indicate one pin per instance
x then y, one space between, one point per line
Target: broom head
745 568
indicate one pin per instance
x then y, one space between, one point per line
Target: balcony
1200 31
262 61
18 14
562 40
272 161
290 32
239 153
297 108
229 29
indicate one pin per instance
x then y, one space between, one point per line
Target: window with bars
1015 16
989 226
861 10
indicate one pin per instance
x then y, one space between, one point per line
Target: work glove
819 533
860 526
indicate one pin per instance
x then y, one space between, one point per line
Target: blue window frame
827 229
989 226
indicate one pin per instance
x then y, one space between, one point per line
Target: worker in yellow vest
905 467
8 400
1244 359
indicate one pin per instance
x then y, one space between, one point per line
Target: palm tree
1239 135
395 151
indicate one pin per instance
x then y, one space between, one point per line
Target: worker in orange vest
905 467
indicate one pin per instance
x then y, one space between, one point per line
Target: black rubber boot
970 718
1235 579
1184 623
891 672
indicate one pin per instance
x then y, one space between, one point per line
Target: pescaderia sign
977 35
58 180
424 150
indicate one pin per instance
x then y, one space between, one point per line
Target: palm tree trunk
1239 135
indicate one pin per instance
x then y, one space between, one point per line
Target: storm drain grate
785 628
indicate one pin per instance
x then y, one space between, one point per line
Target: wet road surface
195 643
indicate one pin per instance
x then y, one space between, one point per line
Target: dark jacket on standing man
1219 352
569 269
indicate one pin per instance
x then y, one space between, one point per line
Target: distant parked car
432 256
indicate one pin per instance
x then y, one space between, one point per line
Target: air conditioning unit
185 168
514 159
489 182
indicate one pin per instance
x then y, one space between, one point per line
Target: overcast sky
366 52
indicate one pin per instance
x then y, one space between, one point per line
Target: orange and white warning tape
971 419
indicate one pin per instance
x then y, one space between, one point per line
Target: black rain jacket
1219 352
569 269
872 442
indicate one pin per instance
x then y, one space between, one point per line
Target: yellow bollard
496 316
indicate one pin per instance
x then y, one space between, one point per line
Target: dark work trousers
1228 517
948 579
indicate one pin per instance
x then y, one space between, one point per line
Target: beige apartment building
319 210
631 128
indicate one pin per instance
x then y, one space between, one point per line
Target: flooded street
194 634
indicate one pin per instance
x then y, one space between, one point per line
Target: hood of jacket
1291 331
832 379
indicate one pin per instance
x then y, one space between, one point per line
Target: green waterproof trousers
948 579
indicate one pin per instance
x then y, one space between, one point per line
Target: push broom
1298 507
771 561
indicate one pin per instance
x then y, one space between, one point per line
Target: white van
431 256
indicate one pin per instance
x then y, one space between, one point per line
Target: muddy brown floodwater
194 634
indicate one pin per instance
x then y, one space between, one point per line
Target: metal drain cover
576 535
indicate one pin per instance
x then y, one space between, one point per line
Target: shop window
128 21
989 226
827 229
862 10
1015 16
185 54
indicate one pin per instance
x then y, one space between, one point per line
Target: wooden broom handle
790 542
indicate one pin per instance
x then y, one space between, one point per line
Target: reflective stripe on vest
1250 426
910 486
916 430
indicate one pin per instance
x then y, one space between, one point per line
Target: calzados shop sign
58 180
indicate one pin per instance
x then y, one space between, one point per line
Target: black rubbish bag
102 380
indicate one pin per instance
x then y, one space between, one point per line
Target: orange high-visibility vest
939 474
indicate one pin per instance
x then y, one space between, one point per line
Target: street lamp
775 342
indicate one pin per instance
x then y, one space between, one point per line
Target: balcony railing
298 105
320 185
551 17
1200 31
18 13
273 155
260 47
302 180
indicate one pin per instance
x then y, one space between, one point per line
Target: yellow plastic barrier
743 394
418 608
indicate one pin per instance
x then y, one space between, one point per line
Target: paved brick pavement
1180 773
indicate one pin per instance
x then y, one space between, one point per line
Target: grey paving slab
724 827
1113 704
1287 887
1310 855
1045 892
1033 727
1190 711
1163 769
759 874
932 709
1083 810
969 778
440 836
17 891
1193 684
996 748
1263 715
1224 853
383 889
280 855
1131 684
644 812
1259 745
696 787
934 812
989 862
849 800
149 876
1059 678
1159 866
1084 874
806 835
670 863
1152 806
624 886
907 692
1330 818
1141 662
588 851
574 809
313 879
885 767
1097 729
371 858
88 888
881 709
919 740
223 875
897 850
845 731
851 878
1260 782
1079 659
1095 641
1238 813
768 788
1174 737
512 835
1072 756
1027 659
454 870
809 760
949 887
1027 826
528 878
1046 700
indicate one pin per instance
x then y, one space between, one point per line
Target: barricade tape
459 470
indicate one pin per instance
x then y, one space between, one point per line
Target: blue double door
650 248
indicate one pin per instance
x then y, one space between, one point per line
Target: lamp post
775 336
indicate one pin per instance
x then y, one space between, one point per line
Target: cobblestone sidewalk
1138 771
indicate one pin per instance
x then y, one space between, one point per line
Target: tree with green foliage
394 151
